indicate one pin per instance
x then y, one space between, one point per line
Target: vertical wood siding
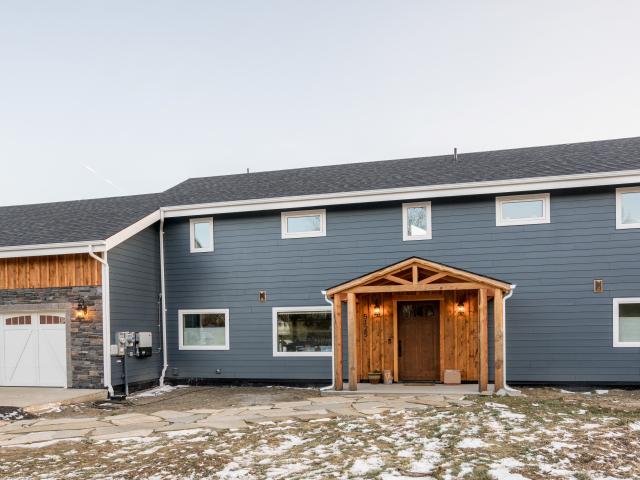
50 272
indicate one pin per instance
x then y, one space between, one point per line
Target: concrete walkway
171 422
35 399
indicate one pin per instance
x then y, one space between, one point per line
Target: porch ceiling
418 275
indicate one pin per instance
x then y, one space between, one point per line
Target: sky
106 98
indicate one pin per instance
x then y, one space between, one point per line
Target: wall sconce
460 307
262 296
81 310
376 309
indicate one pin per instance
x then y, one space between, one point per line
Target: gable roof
518 163
401 276
99 219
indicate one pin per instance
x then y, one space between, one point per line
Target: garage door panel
52 357
20 361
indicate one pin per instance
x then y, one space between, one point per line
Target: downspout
507 388
333 356
106 320
163 306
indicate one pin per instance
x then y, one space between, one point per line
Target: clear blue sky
148 93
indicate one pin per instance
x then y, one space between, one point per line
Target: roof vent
455 153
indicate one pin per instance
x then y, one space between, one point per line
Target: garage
33 350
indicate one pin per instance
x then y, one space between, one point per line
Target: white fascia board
51 249
132 229
408 193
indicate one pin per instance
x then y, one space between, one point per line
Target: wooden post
498 330
353 343
337 341
483 338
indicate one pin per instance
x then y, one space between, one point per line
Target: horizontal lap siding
557 328
134 267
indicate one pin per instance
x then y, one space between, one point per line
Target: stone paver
134 425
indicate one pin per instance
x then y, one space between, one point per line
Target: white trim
619 192
405 221
616 321
274 317
322 213
132 230
623 177
181 313
546 209
51 249
192 223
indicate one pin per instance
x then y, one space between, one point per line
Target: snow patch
472 443
360 466
156 392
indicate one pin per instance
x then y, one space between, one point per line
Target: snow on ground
510 440
157 391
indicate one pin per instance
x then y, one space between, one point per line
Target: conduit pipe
163 305
106 320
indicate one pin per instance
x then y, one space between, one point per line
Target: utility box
452 377
144 344
123 341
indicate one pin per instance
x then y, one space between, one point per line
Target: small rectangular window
628 207
201 236
204 329
416 221
304 223
523 209
302 331
626 322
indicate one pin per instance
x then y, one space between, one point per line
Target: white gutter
106 320
333 356
507 388
163 306
51 249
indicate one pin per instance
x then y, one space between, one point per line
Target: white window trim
304 213
619 192
192 223
616 321
405 221
546 218
277 310
181 314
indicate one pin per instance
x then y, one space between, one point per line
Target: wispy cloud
93 171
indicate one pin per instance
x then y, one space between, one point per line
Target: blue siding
134 267
558 330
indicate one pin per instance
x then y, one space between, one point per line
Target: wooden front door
418 341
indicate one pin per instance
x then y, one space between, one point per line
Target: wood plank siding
50 272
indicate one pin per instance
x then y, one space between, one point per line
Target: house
516 266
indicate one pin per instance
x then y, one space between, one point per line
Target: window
302 331
304 223
523 209
628 207
204 329
201 235
626 322
416 221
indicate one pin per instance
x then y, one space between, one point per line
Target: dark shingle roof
566 159
98 219
76 221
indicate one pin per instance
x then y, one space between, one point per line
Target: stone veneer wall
84 337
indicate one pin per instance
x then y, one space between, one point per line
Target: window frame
284 216
274 318
616 321
183 312
405 221
619 192
546 208
192 223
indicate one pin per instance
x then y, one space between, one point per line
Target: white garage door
33 350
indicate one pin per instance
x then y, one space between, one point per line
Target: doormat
419 384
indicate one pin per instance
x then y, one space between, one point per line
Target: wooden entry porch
418 318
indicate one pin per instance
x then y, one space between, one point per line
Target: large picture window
523 209
204 329
626 322
302 331
628 207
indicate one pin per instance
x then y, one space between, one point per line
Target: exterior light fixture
81 310
262 296
460 306
376 309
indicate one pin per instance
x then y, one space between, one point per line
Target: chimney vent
455 153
